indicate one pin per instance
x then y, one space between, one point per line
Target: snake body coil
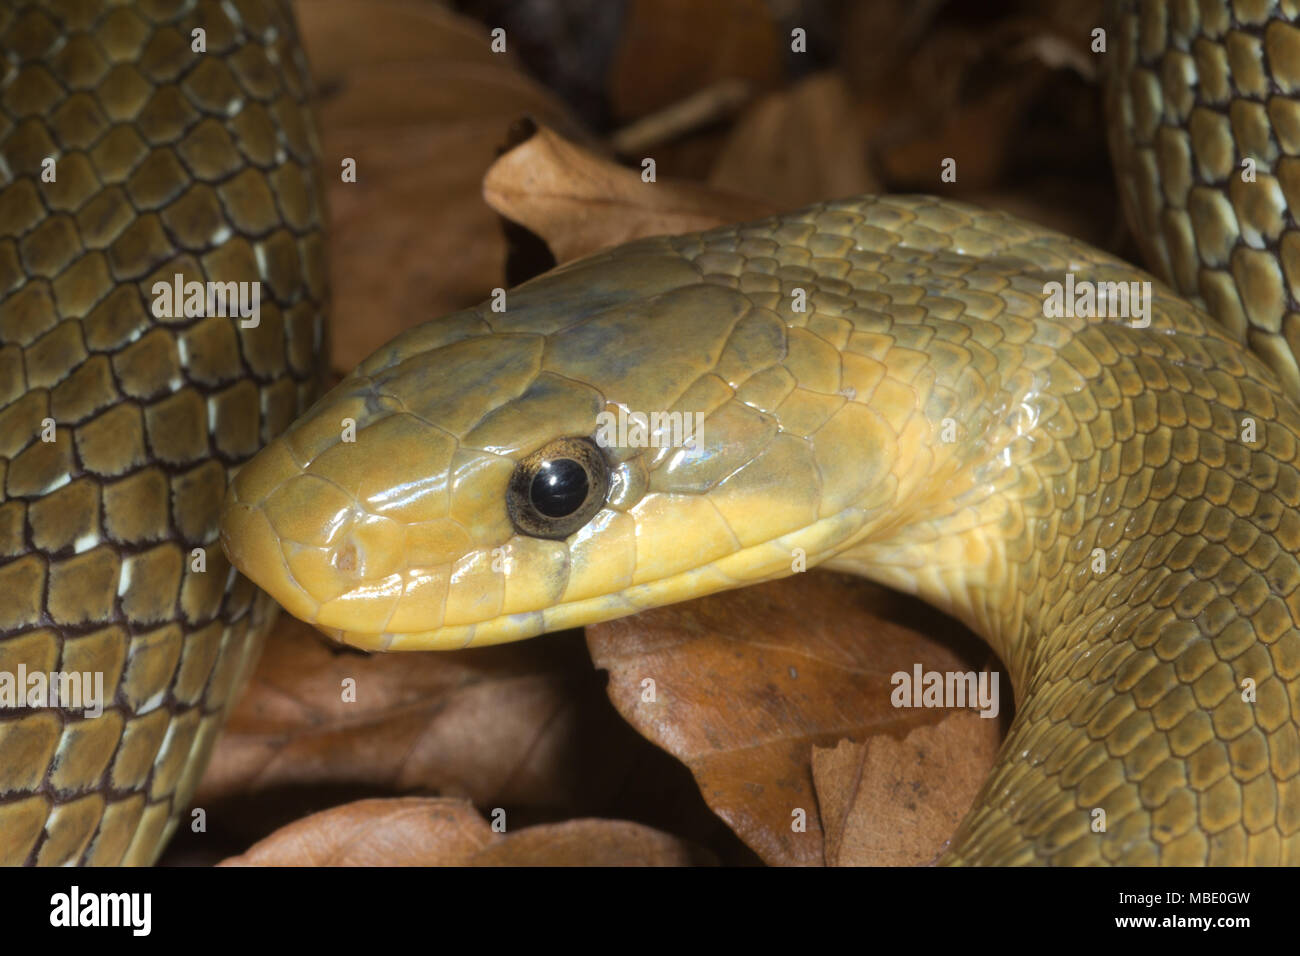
128 156
1204 108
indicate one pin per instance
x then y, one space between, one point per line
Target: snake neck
1126 542
1113 479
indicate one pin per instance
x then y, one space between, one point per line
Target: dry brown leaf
672 48
417 99
409 831
798 146
592 843
746 682
394 30
430 831
888 802
499 725
526 726
578 202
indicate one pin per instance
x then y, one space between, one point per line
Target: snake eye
558 489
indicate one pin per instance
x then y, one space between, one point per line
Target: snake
880 386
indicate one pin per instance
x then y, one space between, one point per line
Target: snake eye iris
558 489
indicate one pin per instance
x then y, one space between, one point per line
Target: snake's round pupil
559 488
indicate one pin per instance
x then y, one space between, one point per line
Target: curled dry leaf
888 802
578 202
741 685
420 103
428 831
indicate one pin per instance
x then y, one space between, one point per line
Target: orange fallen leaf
578 202
592 843
427 831
420 103
526 726
408 831
888 802
496 725
741 685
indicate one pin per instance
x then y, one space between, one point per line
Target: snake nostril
346 558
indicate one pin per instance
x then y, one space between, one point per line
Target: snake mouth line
250 544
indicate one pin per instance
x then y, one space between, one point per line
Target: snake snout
253 548
313 546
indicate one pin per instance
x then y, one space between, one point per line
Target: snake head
487 476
